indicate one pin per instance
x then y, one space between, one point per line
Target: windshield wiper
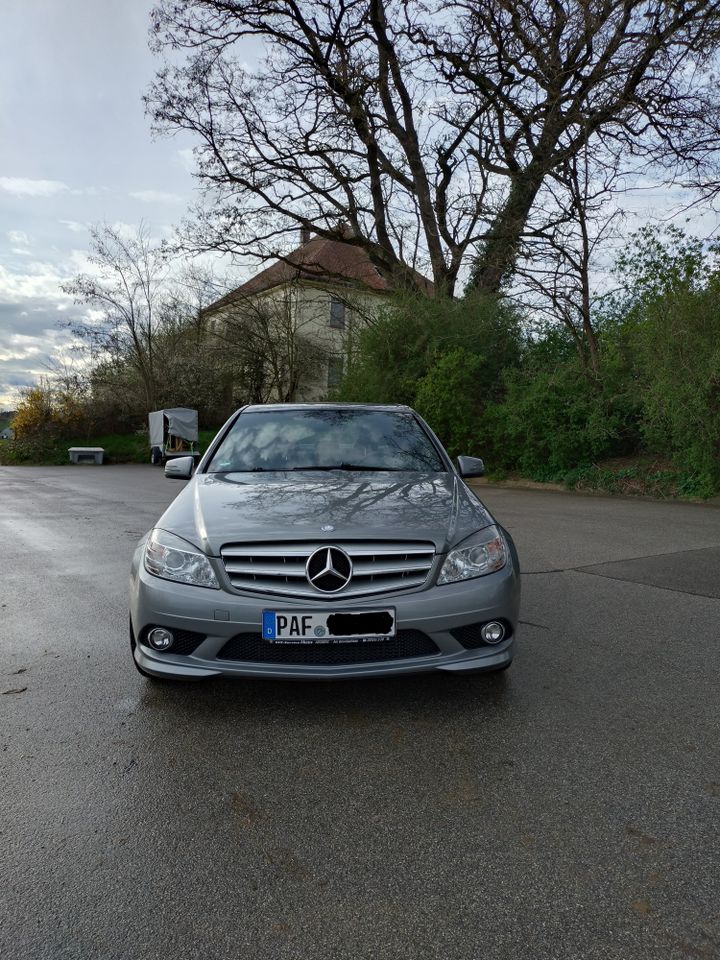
352 466
252 470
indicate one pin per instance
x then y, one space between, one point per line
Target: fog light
160 639
492 632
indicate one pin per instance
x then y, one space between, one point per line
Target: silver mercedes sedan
324 541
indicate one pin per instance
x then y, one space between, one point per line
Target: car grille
252 648
279 568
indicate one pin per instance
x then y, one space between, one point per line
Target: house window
337 314
335 371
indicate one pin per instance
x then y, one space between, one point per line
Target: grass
658 480
637 476
119 448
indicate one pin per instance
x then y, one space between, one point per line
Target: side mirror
471 467
180 468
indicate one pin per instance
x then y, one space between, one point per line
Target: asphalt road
568 809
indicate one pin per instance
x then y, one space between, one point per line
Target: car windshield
325 439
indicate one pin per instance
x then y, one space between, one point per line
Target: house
325 291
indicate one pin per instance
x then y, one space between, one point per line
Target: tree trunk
503 239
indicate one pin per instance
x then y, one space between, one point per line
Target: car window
325 439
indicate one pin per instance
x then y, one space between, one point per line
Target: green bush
446 358
447 396
553 418
678 343
390 358
528 404
30 449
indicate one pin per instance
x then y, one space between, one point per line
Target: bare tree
149 327
557 261
124 293
193 368
273 346
431 128
617 76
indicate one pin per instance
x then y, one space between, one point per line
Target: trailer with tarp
173 433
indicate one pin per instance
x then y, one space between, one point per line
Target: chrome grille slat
279 589
278 569
373 569
261 550
260 569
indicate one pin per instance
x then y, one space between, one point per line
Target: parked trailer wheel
156 456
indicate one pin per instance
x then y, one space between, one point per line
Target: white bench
86 454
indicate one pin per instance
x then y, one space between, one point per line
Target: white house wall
310 304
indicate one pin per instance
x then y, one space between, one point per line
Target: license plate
347 626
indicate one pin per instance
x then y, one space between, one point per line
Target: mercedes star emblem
329 569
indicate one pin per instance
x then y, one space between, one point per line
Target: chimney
305 234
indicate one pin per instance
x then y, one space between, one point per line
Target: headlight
486 554
171 558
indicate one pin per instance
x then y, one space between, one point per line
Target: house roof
318 260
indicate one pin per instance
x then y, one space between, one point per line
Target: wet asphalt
569 808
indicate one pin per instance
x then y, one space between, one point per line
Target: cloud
24 357
21 347
156 196
35 316
126 230
74 226
24 187
21 241
27 344
18 237
37 281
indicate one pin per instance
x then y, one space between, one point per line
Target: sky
76 148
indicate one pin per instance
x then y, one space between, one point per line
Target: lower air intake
251 648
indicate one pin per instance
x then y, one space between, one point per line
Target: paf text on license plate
348 626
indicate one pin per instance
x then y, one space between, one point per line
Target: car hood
215 509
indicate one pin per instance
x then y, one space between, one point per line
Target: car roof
384 407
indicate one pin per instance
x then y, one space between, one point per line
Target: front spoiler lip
470 661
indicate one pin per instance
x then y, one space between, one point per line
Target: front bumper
220 615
